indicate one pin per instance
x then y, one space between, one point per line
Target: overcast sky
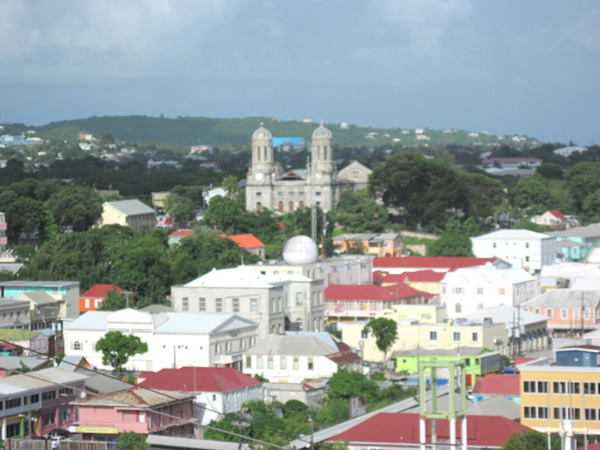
524 67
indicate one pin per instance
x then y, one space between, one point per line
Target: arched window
301 205
281 206
299 324
76 345
480 306
258 206
458 308
291 206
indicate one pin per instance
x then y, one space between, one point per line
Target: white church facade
268 186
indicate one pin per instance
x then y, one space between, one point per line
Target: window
76 345
296 364
494 244
587 313
501 291
564 313
458 308
456 336
13 403
536 387
475 337
141 416
34 398
591 414
270 363
526 244
202 304
364 334
65 392
50 395
549 312
479 291
253 305
310 364
457 290
65 415
185 304
259 362
591 389
576 314
217 349
48 418
299 298
248 362
236 305
527 259
219 305
283 362
433 336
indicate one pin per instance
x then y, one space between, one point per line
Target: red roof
519 361
590 447
396 428
200 379
100 291
431 262
182 232
556 213
496 384
369 292
345 355
380 276
246 240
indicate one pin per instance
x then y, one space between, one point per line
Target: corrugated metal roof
565 298
131 207
140 398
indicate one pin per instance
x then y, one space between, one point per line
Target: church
268 186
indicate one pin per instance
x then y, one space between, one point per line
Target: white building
295 356
174 339
466 291
521 248
219 390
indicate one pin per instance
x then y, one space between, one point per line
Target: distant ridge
186 131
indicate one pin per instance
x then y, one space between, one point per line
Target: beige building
429 336
377 244
355 177
128 213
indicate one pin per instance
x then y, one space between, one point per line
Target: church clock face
258 176
318 175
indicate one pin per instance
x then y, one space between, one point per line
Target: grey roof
11 267
10 363
131 207
464 351
157 441
157 309
40 284
39 297
586 284
7 303
506 314
103 383
568 243
592 230
38 380
564 298
442 403
292 345
70 362
495 406
91 320
371 237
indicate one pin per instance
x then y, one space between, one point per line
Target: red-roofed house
349 303
399 431
220 390
422 280
250 243
400 264
551 219
178 235
497 385
93 298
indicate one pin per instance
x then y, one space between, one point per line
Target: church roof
262 132
322 132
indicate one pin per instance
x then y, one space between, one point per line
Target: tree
117 348
230 184
358 212
531 440
425 189
130 440
456 240
385 332
582 180
531 194
180 208
78 208
114 301
482 194
550 170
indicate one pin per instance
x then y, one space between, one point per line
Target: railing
43 444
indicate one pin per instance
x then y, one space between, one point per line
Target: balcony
2 226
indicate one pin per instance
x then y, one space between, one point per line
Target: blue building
576 243
578 356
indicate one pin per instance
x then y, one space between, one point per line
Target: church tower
259 187
323 171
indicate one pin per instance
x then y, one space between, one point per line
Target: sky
527 67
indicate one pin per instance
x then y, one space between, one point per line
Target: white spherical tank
300 250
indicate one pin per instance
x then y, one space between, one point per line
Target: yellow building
423 313
128 213
429 336
563 396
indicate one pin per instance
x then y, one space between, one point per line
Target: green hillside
234 132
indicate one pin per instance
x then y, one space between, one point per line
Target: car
57 441
59 432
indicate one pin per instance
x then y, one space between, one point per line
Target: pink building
168 413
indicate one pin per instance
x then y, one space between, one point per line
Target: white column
4 429
453 431
464 433
422 433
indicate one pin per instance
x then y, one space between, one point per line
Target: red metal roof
496 384
182 232
246 240
430 262
99 291
369 292
345 355
396 428
380 276
199 379
556 213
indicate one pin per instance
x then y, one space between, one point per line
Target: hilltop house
128 213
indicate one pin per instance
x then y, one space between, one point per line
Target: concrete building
65 292
466 291
295 356
3 238
422 280
406 264
521 248
128 213
377 244
43 309
174 339
355 177
575 244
